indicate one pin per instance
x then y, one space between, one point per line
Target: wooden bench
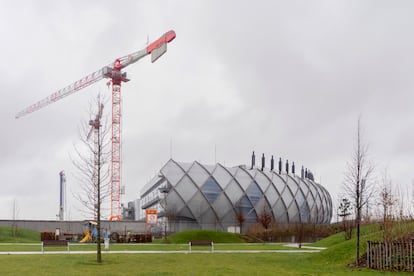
46 243
201 243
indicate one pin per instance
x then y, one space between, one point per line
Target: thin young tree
264 217
386 201
92 165
239 215
344 211
358 184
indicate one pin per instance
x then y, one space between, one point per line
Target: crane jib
158 45
82 83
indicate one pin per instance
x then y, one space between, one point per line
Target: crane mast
117 78
112 71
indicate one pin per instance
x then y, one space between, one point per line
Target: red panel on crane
167 37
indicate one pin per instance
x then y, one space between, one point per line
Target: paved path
155 252
296 245
310 249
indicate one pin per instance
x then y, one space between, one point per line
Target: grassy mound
339 237
340 251
22 235
215 236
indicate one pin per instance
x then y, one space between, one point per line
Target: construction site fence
115 237
131 238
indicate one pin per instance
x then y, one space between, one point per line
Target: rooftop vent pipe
272 164
280 165
263 161
287 166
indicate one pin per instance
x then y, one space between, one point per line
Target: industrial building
197 196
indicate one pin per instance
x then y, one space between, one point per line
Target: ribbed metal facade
211 196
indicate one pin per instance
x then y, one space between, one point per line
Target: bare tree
93 167
386 201
265 219
358 184
344 211
402 214
240 217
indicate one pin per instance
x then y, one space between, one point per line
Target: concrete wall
75 227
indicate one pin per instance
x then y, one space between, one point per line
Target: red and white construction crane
114 73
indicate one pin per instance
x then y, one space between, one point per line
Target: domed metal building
193 195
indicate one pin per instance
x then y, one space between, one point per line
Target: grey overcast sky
284 78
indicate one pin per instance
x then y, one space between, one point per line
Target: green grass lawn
175 264
332 261
22 236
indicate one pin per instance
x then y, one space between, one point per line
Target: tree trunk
358 220
98 207
357 242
